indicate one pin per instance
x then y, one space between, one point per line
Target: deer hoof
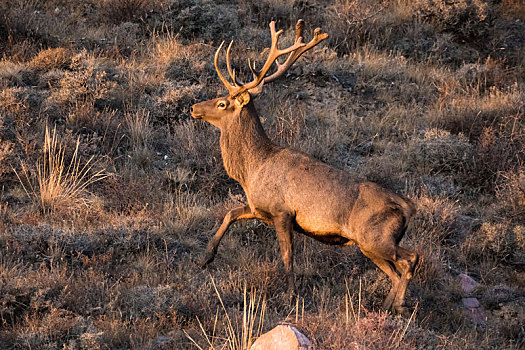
206 259
292 290
402 311
387 305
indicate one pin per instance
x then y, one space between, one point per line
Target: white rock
283 337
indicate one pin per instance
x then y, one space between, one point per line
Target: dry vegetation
109 191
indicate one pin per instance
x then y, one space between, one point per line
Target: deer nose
194 113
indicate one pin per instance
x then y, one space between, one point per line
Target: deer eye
221 105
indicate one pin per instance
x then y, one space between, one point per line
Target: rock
283 337
474 310
467 283
470 303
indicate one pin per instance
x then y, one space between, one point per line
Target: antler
295 51
299 28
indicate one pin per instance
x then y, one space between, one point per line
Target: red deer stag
293 191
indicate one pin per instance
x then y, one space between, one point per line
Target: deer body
293 191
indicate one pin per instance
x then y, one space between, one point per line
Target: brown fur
292 190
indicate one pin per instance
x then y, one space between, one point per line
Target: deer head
218 110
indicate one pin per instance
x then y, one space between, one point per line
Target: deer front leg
243 212
283 227
379 259
406 264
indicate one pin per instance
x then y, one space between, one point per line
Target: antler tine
228 64
252 68
232 89
231 71
299 27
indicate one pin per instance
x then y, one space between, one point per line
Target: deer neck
244 144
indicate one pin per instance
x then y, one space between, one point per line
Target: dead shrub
6 154
493 122
206 20
52 59
185 69
469 111
435 218
139 128
85 117
512 8
5 218
511 191
195 146
11 74
497 154
118 11
438 151
356 22
51 78
467 18
129 195
500 242
81 86
144 301
26 76
14 304
172 102
183 211
481 76
53 326
17 105
265 11
19 18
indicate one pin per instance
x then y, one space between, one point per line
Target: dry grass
425 97
59 182
241 334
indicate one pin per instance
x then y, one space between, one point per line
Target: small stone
474 310
477 315
470 303
283 337
467 283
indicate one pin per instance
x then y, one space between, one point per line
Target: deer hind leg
284 230
242 212
386 266
405 263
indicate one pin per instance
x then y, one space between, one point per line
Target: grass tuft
58 182
240 333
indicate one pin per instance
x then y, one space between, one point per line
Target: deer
293 191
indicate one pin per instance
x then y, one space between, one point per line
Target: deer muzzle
194 111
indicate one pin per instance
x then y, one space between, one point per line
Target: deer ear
243 99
